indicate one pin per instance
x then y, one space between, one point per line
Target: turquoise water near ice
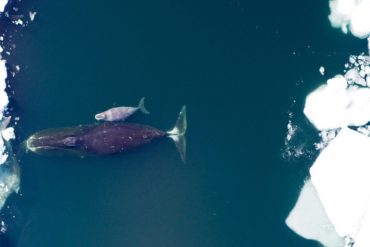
237 65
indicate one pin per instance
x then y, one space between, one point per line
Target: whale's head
54 141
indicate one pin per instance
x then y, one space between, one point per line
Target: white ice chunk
351 14
32 15
3 227
353 76
337 83
341 12
363 236
360 21
308 218
8 133
2 5
322 70
334 105
291 130
341 175
18 22
3 96
326 137
3 154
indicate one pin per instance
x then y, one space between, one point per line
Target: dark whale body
104 139
100 139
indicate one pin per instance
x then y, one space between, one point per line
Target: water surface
237 65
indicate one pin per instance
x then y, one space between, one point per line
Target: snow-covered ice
351 15
354 76
9 168
341 173
339 194
3 3
3 96
336 104
341 176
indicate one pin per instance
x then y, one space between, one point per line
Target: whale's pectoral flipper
177 134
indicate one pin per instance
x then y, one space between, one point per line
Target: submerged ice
309 219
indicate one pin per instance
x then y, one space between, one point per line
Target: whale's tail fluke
177 134
141 106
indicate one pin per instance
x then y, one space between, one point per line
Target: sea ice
32 15
309 219
340 190
18 22
3 96
322 70
335 105
351 14
9 168
353 76
326 137
3 4
8 134
341 176
291 130
360 21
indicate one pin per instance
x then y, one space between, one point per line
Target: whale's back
111 138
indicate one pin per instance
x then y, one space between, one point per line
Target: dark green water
235 64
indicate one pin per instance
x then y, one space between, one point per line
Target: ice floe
341 176
309 219
9 168
351 15
3 3
334 205
3 96
337 104
341 173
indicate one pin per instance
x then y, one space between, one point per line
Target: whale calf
121 113
105 138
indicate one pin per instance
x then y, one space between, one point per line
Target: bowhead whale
105 138
121 113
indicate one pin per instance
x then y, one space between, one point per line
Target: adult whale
106 138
